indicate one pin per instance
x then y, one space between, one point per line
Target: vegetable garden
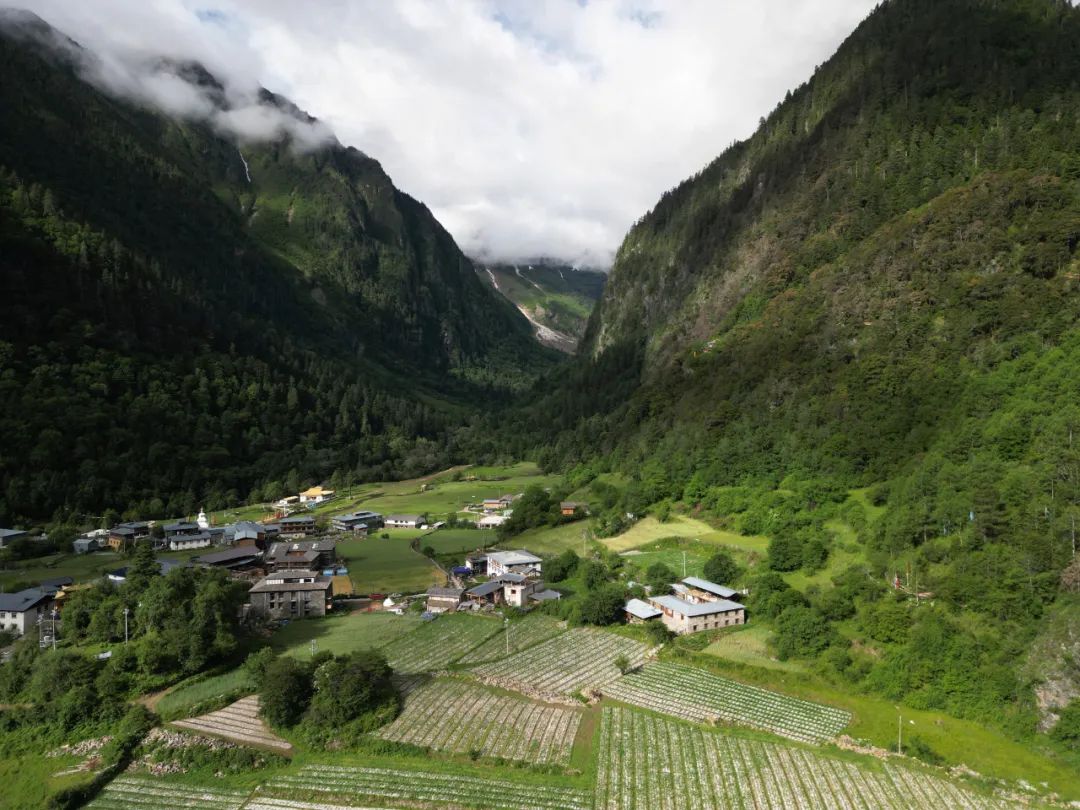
523 634
693 694
647 762
238 722
132 793
454 716
578 659
413 787
440 642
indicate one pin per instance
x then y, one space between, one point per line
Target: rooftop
485 588
545 595
445 593
229 557
23 600
676 605
641 610
321 583
289 521
404 518
517 557
722 591
11 533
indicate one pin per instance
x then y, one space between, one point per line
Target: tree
1067 729
559 568
594 574
785 553
142 570
721 568
801 632
603 605
349 688
285 692
659 577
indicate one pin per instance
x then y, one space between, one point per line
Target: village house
476 563
698 605
316 495
524 592
91 541
486 593
404 521
518 561
304 555
293 594
120 537
572 508
237 558
21 611
297 526
8 535
245 533
164 567
180 528
356 522
185 542
443 600
639 612
288 502
491 521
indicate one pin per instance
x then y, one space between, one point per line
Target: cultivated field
436 644
646 762
522 634
379 564
134 793
450 715
576 660
694 694
414 788
238 722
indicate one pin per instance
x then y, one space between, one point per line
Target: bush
721 568
1067 730
801 632
285 692
603 605
561 567
659 578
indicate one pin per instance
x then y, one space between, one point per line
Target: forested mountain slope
556 297
880 287
186 319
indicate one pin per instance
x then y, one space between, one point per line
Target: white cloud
530 127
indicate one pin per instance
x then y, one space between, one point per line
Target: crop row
648 762
133 793
514 638
693 694
438 643
454 716
576 660
442 790
239 722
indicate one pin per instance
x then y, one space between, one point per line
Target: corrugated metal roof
641 610
710 587
673 603
485 589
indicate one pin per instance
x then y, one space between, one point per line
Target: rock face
1053 664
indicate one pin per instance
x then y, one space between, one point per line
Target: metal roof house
638 611
703 589
291 594
518 561
21 610
404 521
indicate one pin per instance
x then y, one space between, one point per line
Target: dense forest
186 324
876 291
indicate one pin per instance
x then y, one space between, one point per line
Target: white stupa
203 520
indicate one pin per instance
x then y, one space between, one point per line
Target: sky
530 127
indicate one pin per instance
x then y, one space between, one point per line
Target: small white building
21 611
202 521
316 495
491 521
404 521
518 561
185 542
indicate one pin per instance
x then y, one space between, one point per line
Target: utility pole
899 732
314 646
54 628
684 565
506 632
126 611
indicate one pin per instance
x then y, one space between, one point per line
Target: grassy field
649 530
342 634
748 645
388 565
187 696
552 540
458 541
28 781
82 567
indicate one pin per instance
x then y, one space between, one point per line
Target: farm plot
133 793
454 716
575 660
396 787
440 642
694 694
522 634
647 762
238 722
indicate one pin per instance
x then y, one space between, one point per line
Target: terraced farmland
647 762
134 793
238 722
694 694
523 634
575 660
450 715
397 787
438 643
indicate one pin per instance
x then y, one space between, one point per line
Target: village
295 571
